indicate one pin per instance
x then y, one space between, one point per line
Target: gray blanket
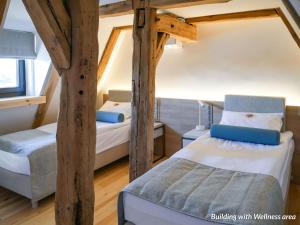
26 142
40 148
207 193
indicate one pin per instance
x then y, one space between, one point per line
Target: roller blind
17 44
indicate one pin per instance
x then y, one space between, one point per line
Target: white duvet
108 136
238 156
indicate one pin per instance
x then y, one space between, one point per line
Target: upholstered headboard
125 96
255 104
119 96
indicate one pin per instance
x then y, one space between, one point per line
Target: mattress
142 212
108 136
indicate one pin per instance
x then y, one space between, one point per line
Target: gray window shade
17 44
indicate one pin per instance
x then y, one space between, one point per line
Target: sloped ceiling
18 18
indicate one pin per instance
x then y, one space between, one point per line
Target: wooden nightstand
192 135
159 141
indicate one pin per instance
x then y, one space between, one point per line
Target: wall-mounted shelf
6 103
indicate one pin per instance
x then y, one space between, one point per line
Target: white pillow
120 107
270 121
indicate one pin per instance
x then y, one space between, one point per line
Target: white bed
275 161
223 154
108 136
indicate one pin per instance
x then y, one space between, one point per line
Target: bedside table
159 141
192 135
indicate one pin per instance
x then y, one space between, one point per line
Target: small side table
192 135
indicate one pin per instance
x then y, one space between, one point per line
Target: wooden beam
162 39
6 103
116 9
176 27
3 10
263 13
48 92
290 7
234 16
125 7
288 26
143 87
169 4
62 17
110 45
76 134
50 30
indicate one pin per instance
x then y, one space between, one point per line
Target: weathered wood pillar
76 136
143 88
69 30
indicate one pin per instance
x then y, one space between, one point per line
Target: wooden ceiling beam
169 4
62 17
125 7
48 91
3 10
176 27
290 7
254 14
54 34
162 39
108 50
288 26
234 16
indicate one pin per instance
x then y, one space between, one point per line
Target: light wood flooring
16 210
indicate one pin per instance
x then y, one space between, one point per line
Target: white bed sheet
108 136
142 212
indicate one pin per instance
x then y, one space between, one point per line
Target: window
12 78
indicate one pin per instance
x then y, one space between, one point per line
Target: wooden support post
143 87
76 134
76 140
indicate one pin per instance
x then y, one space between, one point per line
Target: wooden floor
16 210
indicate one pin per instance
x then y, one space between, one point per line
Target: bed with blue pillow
28 158
238 168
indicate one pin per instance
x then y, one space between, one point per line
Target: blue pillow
109 117
246 134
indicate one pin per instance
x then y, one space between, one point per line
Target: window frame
21 89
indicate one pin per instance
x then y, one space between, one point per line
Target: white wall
21 118
251 57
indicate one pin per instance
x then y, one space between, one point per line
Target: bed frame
39 186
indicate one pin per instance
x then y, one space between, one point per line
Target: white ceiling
18 18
